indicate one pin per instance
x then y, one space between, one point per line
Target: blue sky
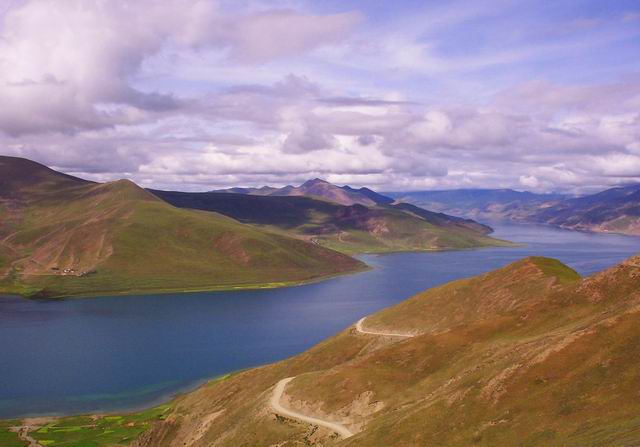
200 94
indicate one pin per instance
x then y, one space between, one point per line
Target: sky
196 95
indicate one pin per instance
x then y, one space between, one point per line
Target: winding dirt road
338 428
360 329
275 404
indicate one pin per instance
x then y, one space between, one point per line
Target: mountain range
613 210
530 354
354 228
65 236
318 188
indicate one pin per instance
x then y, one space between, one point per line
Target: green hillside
64 236
529 355
345 228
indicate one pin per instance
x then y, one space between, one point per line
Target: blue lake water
112 353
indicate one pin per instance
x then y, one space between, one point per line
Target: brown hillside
527 355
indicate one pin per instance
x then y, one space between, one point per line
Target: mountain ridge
319 188
347 228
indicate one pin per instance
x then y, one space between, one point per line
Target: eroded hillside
530 354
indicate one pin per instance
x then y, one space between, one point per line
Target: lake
114 353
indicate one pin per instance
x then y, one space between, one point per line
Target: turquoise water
112 353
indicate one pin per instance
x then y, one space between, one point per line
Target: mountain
318 188
479 203
347 228
615 210
62 236
531 354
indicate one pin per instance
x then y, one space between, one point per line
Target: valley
198 327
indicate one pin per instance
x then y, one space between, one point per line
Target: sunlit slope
64 236
530 354
346 228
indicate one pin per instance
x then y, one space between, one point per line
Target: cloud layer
200 94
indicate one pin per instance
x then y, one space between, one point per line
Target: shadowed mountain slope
347 228
65 236
530 354
19 176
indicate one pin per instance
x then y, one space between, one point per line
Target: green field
86 431
90 431
9 438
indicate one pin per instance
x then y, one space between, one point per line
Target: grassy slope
136 242
349 229
527 355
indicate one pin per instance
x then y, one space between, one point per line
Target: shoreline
256 286
181 290
165 399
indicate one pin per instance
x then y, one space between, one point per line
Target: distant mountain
318 188
479 203
61 236
527 355
341 217
347 228
615 210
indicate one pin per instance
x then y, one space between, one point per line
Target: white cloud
68 65
197 93
529 181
